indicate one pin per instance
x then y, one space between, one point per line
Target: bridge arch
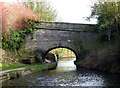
60 47
74 37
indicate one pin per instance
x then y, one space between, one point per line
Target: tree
42 8
108 16
12 16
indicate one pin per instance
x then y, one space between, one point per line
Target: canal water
66 74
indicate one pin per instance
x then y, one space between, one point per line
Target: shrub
16 38
12 15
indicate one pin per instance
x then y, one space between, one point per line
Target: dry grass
12 16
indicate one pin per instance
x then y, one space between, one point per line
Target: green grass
15 65
33 69
36 68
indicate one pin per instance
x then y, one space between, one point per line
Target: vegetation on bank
15 65
27 70
16 38
13 14
104 55
18 22
13 42
108 23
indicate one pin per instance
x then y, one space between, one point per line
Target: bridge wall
67 26
46 39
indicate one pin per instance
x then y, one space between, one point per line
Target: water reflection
66 66
66 75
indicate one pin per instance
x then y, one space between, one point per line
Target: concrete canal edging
16 73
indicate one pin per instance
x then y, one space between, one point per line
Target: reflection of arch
59 47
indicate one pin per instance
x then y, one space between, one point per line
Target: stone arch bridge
51 35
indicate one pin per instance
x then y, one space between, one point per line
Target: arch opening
65 58
60 52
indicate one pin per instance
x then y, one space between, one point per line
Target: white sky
72 11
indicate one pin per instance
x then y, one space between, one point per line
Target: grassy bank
15 65
16 73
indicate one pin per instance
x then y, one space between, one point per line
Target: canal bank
66 74
16 73
104 60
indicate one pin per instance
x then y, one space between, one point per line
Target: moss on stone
104 60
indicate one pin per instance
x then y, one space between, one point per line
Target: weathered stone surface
65 26
43 40
71 36
28 61
102 60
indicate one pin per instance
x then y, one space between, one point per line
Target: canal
66 74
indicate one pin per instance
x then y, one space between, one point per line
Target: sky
72 11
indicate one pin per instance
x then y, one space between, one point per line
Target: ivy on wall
15 39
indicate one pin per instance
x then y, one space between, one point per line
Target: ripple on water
66 75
